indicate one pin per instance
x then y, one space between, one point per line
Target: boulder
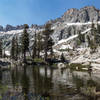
61 65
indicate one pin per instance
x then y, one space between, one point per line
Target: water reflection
15 75
0 76
25 83
42 84
28 82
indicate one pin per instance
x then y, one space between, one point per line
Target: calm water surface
45 83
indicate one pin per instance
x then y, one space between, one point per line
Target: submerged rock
4 65
61 65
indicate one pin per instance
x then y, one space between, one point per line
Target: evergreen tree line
42 44
1 53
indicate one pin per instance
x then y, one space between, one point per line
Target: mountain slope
65 27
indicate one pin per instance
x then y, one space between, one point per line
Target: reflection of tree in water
42 84
15 75
86 87
0 76
25 84
79 82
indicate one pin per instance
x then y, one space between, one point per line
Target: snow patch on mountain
63 47
80 24
72 37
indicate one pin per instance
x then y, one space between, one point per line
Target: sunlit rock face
64 27
86 14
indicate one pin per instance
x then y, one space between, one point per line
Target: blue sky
16 12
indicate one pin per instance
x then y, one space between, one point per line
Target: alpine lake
48 83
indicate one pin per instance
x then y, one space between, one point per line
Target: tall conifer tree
25 41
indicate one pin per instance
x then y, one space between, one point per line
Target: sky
17 12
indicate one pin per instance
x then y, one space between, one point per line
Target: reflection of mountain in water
27 82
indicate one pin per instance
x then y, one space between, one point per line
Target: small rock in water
61 65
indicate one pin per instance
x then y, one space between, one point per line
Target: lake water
45 83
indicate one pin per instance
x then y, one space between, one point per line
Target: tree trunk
51 53
24 57
38 53
45 55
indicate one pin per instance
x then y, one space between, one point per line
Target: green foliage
39 60
55 65
62 58
14 48
39 44
78 67
88 39
61 34
12 52
79 82
3 88
93 46
97 35
25 41
67 49
78 42
92 28
34 47
26 26
1 48
81 38
48 42
91 83
95 41
17 49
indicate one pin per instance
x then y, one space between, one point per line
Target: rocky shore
5 64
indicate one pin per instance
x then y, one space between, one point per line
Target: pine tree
50 44
93 44
92 29
34 47
61 34
88 39
25 41
62 58
12 52
97 35
16 48
39 44
1 48
47 35
98 29
81 37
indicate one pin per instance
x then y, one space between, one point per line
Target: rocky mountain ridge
68 25
64 27
86 14
83 15
65 35
18 27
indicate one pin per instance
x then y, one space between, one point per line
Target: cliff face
66 35
86 14
64 27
